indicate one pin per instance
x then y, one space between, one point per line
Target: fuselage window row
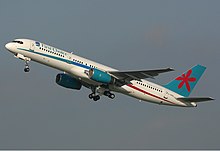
150 87
83 63
52 52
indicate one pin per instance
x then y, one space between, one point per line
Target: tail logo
185 79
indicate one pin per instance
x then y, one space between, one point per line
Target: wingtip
211 98
171 69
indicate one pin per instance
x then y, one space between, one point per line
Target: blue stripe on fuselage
57 58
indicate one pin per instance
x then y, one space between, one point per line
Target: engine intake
100 76
67 81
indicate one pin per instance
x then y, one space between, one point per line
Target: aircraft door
165 95
32 46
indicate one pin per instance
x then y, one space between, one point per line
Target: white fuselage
78 67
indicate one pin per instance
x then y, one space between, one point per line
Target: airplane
103 80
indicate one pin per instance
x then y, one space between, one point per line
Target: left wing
138 75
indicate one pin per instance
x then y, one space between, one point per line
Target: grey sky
35 113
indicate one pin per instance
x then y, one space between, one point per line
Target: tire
26 69
107 93
96 98
112 96
90 96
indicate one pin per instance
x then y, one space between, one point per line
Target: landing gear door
32 45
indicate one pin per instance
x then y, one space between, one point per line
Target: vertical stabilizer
185 83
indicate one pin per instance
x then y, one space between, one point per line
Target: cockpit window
16 41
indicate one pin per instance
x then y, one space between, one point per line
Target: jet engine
67 81
100 76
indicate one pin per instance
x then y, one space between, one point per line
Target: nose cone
8 46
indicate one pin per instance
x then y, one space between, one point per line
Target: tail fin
185 83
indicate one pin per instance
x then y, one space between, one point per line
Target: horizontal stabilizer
195 99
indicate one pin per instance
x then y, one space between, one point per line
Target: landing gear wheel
96 98
112 96
109 94
90 96
26 69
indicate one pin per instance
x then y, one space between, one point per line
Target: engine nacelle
100 76
67 81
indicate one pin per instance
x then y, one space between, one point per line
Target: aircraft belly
149 96
140 95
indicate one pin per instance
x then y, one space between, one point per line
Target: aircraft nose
8 46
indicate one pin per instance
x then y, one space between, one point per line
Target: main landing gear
109 94
26 68
94 97
97 97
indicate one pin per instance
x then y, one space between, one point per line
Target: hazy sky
36 113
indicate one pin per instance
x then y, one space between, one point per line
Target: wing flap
195 99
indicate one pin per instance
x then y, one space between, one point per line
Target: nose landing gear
26 68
